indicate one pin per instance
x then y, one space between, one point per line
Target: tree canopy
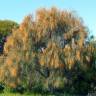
6 26
51 48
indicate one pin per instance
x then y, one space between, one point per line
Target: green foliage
6 26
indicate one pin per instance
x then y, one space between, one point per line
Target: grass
17 94
7 92
29 94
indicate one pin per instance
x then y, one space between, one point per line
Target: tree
6 27
20 44
67 34
24 61
51 49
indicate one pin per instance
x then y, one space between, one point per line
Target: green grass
28 94
6 93
17 94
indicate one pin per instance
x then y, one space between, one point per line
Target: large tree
51 49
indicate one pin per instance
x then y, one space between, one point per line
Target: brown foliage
50 27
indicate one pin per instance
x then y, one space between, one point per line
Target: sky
16 10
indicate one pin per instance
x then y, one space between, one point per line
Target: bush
19 89
2 87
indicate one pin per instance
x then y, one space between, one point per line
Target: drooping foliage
19 52
50 53
63 29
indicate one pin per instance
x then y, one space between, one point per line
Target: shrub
19 89
2 87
